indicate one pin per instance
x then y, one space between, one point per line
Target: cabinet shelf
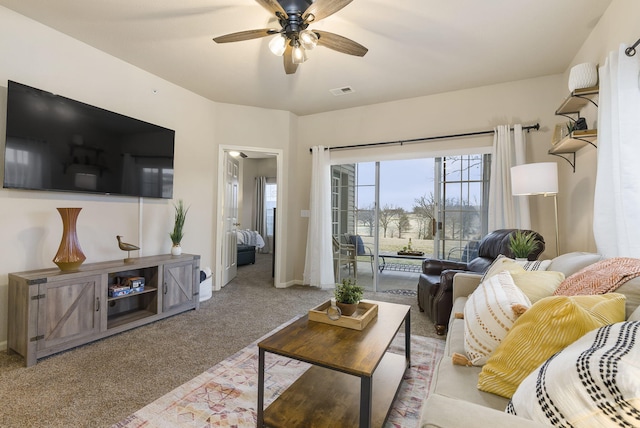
146 290
128 317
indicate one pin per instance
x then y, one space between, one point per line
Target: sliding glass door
388 216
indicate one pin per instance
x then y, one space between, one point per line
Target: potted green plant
177 233
522 244
347 295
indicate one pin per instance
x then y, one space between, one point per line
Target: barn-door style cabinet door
65 314
180 286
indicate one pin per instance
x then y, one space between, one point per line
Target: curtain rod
631 51
415 140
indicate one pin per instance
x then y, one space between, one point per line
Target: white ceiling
416 47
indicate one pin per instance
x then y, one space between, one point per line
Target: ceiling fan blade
340 44
273 6
245 35
289 66
322 8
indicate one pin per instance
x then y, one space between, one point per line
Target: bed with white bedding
250 237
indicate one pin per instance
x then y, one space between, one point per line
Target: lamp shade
534 179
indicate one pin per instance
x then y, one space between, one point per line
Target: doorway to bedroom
247 227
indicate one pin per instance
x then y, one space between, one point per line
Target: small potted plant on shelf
178 227
347 295
522 244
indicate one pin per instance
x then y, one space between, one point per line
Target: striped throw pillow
547 327
593 382
489 313
502 263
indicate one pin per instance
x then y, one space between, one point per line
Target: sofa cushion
439 411
603 375
455 332
571 263
459 382
635 315
631 290
537 285
489 314
547 327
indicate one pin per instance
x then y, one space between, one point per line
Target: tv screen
55 143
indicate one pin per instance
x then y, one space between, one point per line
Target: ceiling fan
294 39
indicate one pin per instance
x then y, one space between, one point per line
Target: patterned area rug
402 292
226 394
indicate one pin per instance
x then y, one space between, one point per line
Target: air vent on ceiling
342 91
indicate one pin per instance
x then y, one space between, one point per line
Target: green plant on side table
522 244
347 295
177 233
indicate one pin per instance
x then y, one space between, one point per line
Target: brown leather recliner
435 286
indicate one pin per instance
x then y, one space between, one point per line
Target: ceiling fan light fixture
298 55
278 44
308 39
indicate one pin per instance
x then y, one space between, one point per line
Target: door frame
219 249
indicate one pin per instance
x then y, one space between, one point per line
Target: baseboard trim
288 284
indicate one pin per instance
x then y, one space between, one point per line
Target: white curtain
318 266
261 215
617 190
505 210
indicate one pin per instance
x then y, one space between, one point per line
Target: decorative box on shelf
366 312
119 290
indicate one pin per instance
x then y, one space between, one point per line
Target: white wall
31 228
478 109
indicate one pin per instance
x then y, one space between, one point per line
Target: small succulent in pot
522 244
347 295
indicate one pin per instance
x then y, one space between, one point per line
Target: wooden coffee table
353 379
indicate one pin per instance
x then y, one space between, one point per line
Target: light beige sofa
454 400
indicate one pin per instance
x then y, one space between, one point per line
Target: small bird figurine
126 247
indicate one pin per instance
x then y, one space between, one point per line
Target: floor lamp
537 179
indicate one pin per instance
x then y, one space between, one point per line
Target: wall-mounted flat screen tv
56 143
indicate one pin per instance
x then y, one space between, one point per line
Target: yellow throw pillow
500 264
547 327
537 284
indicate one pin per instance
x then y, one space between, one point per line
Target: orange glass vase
69 255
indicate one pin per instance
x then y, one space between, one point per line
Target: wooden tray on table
358 321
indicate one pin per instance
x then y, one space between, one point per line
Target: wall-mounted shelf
572 105
573 142
576 101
